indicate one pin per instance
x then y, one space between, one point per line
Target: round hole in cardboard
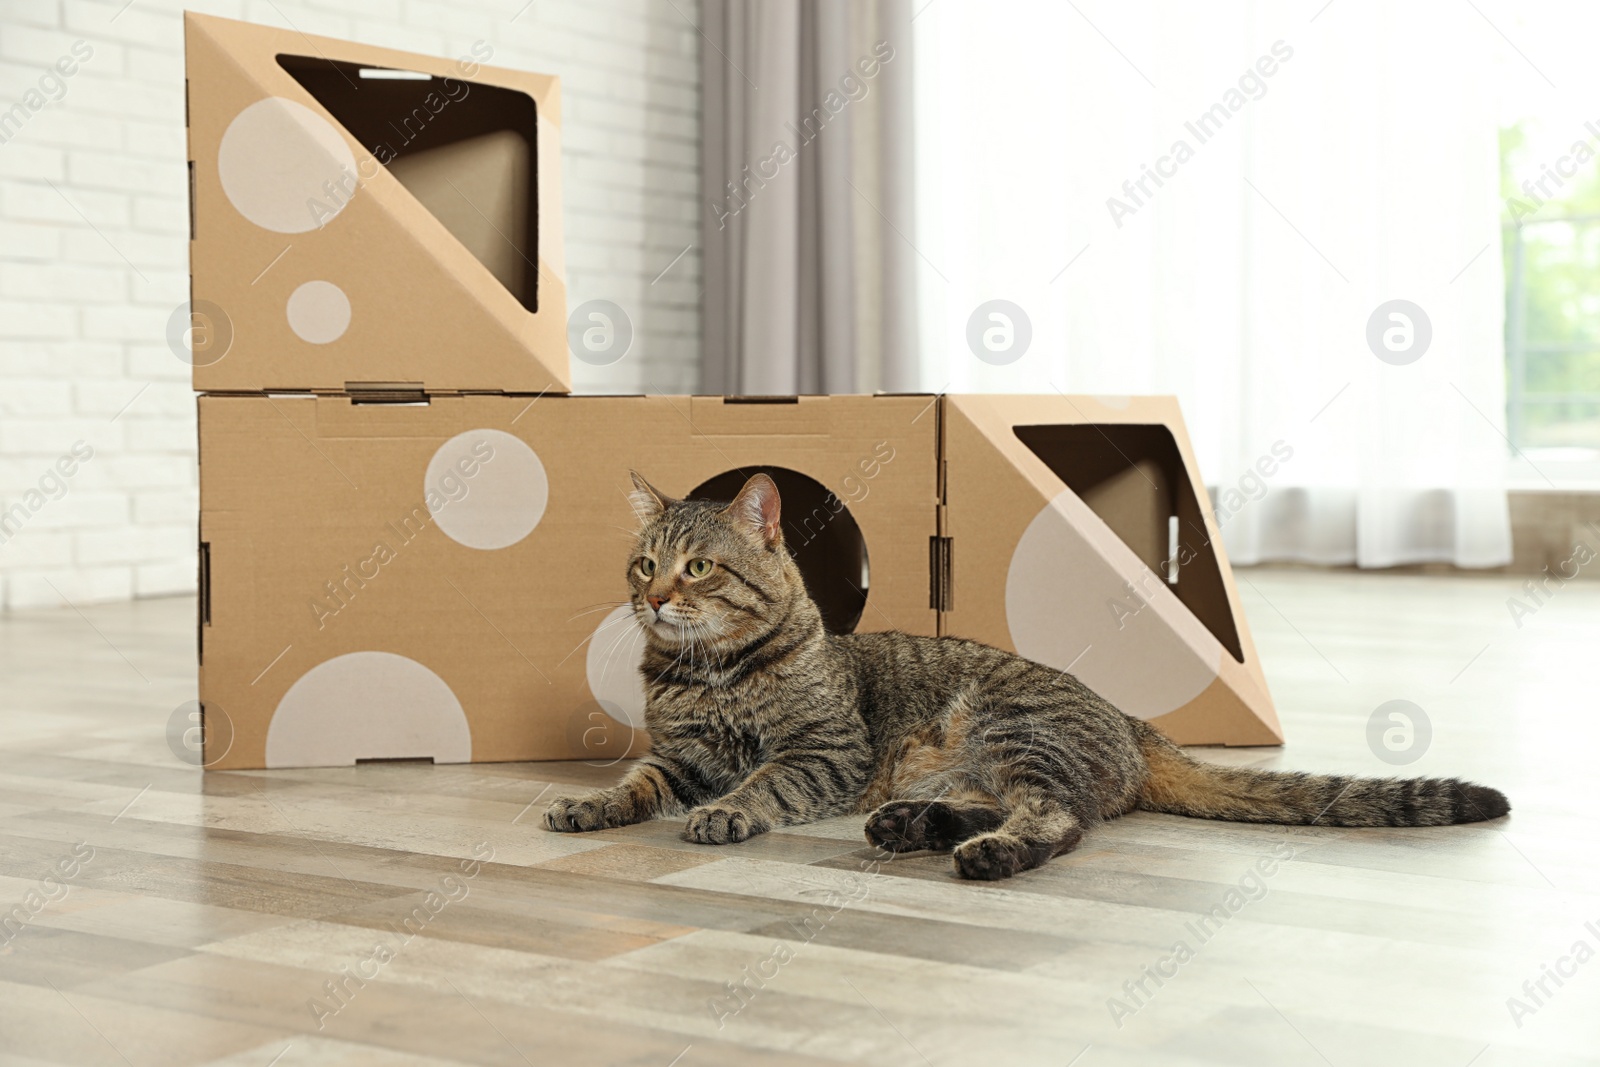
821 535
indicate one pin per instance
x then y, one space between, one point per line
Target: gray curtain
807 167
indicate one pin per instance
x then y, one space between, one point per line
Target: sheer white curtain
1349 159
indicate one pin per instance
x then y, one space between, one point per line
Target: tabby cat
759 718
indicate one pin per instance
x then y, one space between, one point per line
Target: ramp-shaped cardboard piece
1077 532
370 220
446 580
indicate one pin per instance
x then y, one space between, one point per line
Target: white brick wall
94 257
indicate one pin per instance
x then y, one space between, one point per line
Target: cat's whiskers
598 630
697 632
690 643
599 607
701 635
682 648
618 640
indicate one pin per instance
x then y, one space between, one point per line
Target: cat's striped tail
1179 785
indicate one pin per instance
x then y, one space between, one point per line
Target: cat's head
706 574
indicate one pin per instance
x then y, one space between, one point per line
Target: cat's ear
756 509
647 500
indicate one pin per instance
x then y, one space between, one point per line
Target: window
1551 182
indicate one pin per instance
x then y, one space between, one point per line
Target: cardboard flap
410 234
1080 527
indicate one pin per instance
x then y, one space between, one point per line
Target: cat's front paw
720 826
582 814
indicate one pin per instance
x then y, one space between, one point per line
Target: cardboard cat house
360 218
447 579
1082 536
413 546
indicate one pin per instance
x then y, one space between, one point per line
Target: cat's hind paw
935 825
910 826
991 857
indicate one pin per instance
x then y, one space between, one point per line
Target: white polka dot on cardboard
1069 606
318 312
612 666
367 705
486 489
277 158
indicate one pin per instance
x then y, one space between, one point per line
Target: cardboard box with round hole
447 580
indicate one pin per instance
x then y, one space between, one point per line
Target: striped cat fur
759 718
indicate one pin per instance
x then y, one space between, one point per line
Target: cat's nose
655 602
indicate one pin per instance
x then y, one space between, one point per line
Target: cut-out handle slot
203 612
386 393
390 74
941 590
1173 550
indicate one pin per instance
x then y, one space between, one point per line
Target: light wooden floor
217 907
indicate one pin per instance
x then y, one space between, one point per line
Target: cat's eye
698 568
647 566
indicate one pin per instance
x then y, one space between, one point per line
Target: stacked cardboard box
413 538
